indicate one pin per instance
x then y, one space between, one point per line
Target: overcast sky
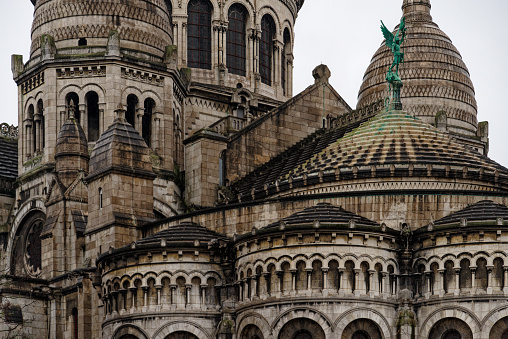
344 35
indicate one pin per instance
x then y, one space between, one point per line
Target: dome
142 25
435 77
71 143
121 148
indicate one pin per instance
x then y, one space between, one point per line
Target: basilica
164 182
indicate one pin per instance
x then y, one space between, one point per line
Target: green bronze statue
394 42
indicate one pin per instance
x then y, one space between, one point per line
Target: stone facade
166 184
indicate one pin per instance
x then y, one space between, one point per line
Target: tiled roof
324 213
485 210
184 234
8 158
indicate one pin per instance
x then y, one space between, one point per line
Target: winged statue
394 42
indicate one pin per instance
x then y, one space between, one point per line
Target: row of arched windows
35 129
199 41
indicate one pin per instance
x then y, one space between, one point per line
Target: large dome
434 75
141 25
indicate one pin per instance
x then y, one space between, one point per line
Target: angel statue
394 42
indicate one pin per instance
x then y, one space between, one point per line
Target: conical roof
434 75
122 149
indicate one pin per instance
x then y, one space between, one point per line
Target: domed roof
186 234
435 77
121 148
140 24
482 211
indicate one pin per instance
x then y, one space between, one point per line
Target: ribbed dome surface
71 151
398 139
121 148
324 213
435 77
185 234
485 210
143 24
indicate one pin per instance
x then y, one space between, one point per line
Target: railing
228 125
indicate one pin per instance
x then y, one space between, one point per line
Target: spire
417 11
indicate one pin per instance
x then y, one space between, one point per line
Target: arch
26 253
366 327
266 45
492 318
499 330
126 330
199 34
93 116
132 107
251 332
236 40
306 313
301 328
181 335
363 313
146 121
448 328
256 319
182 326
450 312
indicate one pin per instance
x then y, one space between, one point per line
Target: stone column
140 112
123 295
357 282
203 294
473 280
133 290
240 291
309 280
159 299
441 276
254 287
325 278
429 283
172 287
457 282
83 117
38 129
278 283
505 287
489 275
184 43
187 294
293 281
343 281
29 143
145 298
373 287
385 284
156 133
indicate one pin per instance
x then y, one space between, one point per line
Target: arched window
132 106
286 50
74 323
92 106
146 129
266 49
31 134
75 100
199 34
42 127
177 130
236 40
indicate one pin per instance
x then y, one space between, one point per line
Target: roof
485 210
185 234
8 158
391 144
120 147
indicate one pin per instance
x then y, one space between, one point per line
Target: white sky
344 34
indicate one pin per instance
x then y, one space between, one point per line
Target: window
236 41
146 129
285 50
100 197
41 127
199 34
74 323
92 105
132 106
222 168
266 49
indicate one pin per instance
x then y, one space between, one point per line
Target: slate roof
325 213
182 235
485 210
392 143
8 158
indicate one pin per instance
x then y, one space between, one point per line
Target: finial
416 10
120 112
71 109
